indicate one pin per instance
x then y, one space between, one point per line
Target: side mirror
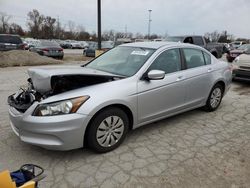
155 75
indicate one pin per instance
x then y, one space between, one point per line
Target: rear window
49 44
10 39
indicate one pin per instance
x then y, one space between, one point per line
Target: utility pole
125 31
58 27
149 22
99 33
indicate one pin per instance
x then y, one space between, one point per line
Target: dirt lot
194 149
25 58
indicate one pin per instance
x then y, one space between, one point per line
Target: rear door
198 75
159 98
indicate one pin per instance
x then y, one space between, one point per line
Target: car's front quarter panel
122 92
60 132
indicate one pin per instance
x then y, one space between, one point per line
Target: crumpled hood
41 76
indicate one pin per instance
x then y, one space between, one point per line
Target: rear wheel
107 130
214 99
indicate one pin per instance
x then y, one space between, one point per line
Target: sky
174 17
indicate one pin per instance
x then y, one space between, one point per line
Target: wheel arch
123 107
222 83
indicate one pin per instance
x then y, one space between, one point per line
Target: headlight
60 107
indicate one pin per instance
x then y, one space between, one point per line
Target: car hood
244 60
42 77
236 51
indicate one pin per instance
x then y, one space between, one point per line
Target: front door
159 98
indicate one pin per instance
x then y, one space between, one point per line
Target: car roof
155 45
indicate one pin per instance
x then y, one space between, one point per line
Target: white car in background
241 67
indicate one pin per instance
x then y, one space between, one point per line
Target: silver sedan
95 105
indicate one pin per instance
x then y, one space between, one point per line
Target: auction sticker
140 53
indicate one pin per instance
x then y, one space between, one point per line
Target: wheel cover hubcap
215 97
110 131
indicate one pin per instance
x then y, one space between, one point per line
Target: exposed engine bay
41 86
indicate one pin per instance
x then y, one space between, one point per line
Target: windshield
244 47
175 39
124 61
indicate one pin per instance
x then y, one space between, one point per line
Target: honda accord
95 105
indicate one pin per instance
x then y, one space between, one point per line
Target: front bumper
61 132
241 75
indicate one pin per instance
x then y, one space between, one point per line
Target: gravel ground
194 149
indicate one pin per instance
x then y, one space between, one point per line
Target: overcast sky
175 17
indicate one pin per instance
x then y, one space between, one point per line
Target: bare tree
16 29
213 36
4 22
71 26
48 27
35 21
139 36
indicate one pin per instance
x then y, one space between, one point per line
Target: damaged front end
44 83
24 98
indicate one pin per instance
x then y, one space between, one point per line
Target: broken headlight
60 107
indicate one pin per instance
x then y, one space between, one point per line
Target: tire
107 130
214 98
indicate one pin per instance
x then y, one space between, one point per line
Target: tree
16 29
48 27
213 36
4 25
35 21
223 37
139 36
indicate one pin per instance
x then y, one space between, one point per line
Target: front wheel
107 130
214 98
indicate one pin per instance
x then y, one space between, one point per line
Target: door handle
209 70
179 78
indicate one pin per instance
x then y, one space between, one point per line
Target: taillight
22 46
60 50
45 49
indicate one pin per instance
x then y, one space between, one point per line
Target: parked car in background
90 51
11 42
83 44
241 67
65 45
74 44
48 48
120 41
236 52
94 105
31 42
214 48
237 44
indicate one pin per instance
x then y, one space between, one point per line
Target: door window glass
207 58
168 61
194 58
